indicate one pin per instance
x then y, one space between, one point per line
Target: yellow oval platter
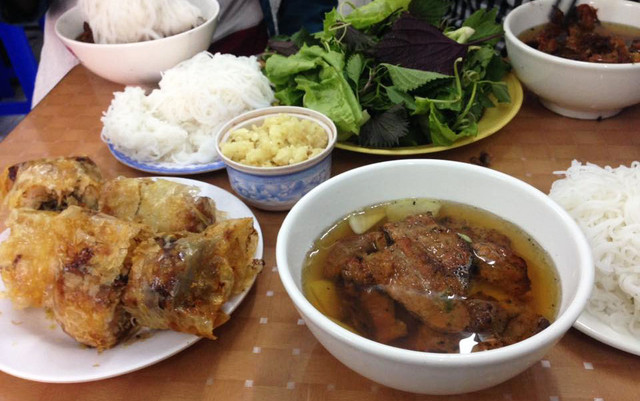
491 122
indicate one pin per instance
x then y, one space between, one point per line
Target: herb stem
485 39
457 75
343 26
470 103
372 75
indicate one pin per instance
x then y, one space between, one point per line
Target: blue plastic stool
23 66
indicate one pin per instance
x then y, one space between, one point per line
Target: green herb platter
492 121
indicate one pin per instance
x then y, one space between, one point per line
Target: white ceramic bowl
277 188
138 63
503 195
574 89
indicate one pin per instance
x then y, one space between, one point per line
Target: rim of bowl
512 37
204 25
545 338
254 115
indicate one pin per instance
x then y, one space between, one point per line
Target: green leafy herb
397 96
407 79
375 12
391 74
355 67
432 11
357 41
484 24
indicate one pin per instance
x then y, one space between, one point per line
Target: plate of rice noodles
605 202
161 263
172 129
165 168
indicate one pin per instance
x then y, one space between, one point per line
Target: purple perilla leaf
414 43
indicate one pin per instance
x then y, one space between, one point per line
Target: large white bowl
138 63
503 195
574 89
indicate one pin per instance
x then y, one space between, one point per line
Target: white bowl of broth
575 88
559 266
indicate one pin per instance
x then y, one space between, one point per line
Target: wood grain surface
265 352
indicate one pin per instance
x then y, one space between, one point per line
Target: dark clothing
462 9
22 11
296 14
247 42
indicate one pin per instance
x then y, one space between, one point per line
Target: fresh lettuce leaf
318 73
290 95
374 12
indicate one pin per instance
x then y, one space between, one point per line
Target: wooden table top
265 352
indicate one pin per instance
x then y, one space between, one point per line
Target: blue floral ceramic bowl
277 188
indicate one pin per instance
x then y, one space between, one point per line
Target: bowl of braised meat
582 63
433 276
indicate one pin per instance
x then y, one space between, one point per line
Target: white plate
33 346
165 168
601 331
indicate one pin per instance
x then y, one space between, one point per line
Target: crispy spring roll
163 205
180 282
177 283
51 184
27 258
95 258
236 240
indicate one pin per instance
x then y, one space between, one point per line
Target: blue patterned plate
165 168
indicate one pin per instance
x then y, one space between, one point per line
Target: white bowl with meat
420 297
601 80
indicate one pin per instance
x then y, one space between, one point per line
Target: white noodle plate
601 331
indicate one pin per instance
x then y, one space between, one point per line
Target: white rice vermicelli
129 21
605 202
177 123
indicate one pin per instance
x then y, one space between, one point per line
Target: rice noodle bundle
606 204
129 21
177 123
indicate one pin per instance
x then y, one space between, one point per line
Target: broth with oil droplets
393 280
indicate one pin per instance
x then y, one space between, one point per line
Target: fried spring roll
236 240
27 258
51 184
180 282
163 205
95 258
